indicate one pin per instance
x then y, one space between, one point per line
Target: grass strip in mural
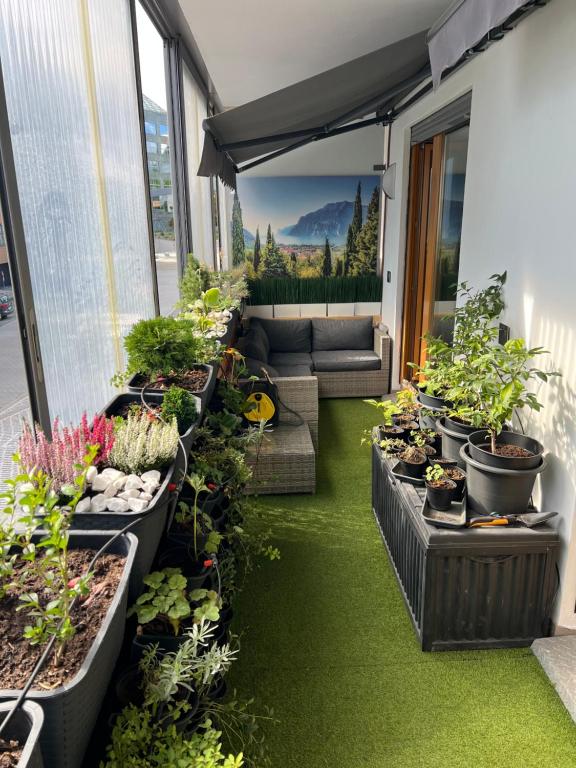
315 290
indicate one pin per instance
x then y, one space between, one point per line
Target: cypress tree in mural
293 263
257 252
365 259
327 262
339 266
273 263
353 230
238 246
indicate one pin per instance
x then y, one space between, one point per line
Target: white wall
519 215
348 154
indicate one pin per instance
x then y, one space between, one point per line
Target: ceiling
255 47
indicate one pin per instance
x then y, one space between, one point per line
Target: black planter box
468 588
205 394
71 710
25 727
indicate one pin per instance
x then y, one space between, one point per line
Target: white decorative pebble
118 505
84 504
112 474
147 496
100 483
152 475
150 487
99 503
111 491
132 481
137 505
91 473
119 484
133 493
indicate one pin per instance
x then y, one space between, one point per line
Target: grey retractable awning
314 108
462 26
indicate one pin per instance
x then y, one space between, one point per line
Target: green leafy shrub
165 599
142 443
162 345
181 405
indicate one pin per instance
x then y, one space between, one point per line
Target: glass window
151 46
199 190
81 185
149 128
450 231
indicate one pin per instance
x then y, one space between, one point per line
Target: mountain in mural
331 221
248 238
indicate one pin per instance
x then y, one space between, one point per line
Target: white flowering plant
142 443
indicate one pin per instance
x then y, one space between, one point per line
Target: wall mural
306 226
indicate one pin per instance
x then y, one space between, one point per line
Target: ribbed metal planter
468 588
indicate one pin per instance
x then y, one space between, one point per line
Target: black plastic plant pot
137 381
496 490
24 728
218 689
71 710
431 401
170 643
480 450
442 461
459 426
441 498
412 469
460 484
452 442
395 432
148 530
207 501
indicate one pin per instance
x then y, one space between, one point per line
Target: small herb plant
166 599
142 444
413 455
418 438
390 446
435 474
179 404
386 409
39 512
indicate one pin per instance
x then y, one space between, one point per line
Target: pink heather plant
57 458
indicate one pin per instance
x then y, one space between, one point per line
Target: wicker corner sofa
348 356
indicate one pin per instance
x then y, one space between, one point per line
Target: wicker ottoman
285 462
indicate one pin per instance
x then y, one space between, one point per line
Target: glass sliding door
435 207
70 88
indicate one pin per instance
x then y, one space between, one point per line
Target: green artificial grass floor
327 642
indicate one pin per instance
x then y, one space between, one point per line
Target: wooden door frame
424 198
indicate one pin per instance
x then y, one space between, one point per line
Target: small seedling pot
480 450
24 728
393 431
496 490
412 469
442 461
441 498
460 484
197 574
218 689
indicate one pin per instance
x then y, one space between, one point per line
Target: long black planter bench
467 588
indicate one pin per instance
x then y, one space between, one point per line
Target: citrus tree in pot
502 465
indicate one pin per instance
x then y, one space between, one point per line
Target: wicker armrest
382 346
300 394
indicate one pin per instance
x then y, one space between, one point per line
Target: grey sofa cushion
329 333
294 370
254 344
286 335
346 360
290 358
254 368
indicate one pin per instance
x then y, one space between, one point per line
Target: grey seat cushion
286 335
346 360
290 358
294 370
329 333
254 368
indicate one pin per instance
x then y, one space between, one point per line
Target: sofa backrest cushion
286 335
329 333
254 344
